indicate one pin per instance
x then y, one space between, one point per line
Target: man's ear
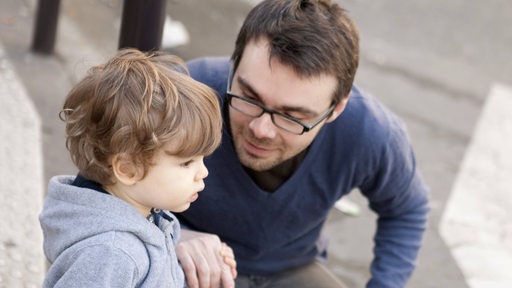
125 170
338 109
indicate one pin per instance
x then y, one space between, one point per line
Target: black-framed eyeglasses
255 109
285 122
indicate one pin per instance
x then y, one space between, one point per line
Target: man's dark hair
314 37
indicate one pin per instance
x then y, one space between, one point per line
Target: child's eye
186 163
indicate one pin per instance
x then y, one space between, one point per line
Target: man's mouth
256 149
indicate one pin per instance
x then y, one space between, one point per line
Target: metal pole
45 27
142 24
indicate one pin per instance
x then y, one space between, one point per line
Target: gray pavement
21 183
432 62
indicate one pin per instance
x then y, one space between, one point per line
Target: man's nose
263 127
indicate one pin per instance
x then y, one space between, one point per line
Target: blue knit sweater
366 148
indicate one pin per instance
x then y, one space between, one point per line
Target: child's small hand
229 258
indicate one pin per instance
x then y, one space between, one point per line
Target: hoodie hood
72 214
76 220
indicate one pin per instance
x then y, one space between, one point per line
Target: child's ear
125 170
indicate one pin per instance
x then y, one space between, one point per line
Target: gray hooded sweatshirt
93 239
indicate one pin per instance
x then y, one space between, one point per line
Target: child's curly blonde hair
132 105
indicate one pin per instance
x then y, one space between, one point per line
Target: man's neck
270 180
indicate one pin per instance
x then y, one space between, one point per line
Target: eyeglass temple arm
230 76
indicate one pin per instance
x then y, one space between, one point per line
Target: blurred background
445 67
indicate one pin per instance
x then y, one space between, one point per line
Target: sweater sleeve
398 195
95 266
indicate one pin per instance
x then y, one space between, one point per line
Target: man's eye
248 96
296 116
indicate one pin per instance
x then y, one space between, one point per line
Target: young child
137 130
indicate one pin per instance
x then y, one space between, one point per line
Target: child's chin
181 208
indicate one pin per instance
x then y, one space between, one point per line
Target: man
297 138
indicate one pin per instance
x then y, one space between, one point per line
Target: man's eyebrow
245 85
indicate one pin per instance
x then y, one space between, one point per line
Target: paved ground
21 179
434 63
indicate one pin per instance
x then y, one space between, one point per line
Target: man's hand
206 261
